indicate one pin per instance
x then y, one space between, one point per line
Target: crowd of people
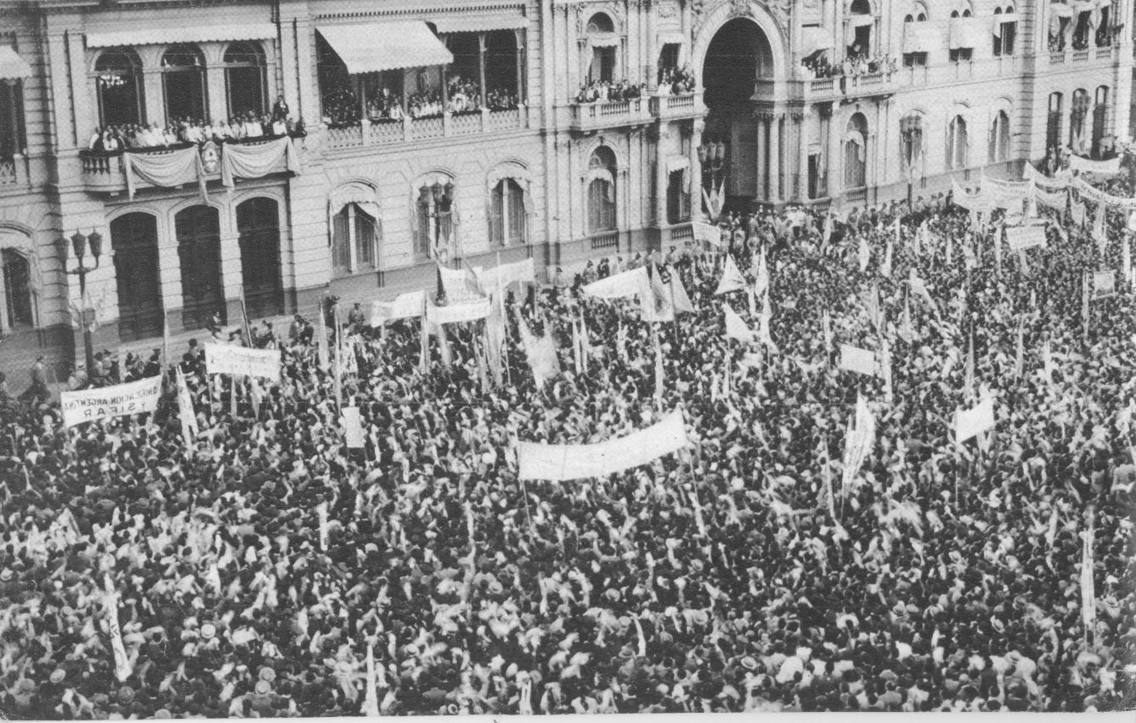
180 132
855 64
676 81
609 91
258 563
341 108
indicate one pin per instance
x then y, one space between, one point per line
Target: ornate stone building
482 129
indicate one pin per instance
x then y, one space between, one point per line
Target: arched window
1099 21
855 152
1100 121
1005 31
18 306
354 240
198 230
245 79
118 84
1078 137
1053 122
183 78
860 21
507 217
434 217
601 191
604 43
957 144
1000 138
134 238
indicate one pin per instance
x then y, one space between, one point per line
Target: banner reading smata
242 361
561 462
88 405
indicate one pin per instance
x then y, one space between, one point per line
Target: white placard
242 361
854 359
972 422
88 405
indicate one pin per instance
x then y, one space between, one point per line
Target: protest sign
242 361
88 405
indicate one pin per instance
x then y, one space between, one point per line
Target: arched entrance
738 78
134 238
198 231
258 226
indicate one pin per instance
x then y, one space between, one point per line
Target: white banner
186 414
460 285
404 306
972 422
627 283
353 428
858 360
1024 237
458 313
88 405
706 233
736 328
1104 284
518 272
1087 165
560 462
242 361
1087 190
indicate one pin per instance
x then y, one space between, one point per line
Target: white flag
1088 586
732 279
854 359
122 666
321 510
370 707
864 253
736 327
185 410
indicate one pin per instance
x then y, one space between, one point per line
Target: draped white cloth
1088 191
561 462
256 160
167 169
1087 165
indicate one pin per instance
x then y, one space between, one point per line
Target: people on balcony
609 91
676 81
188 131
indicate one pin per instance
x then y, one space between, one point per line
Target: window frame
428 217
260 65
351 212
200 69
136 76
505 193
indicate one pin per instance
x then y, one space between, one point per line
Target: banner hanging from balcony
167 168
256 160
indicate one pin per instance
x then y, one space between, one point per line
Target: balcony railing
605 240
683 105
609 114
821 86
384 132
1056 57
1104 53
1080 56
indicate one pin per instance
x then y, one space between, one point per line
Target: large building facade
478 130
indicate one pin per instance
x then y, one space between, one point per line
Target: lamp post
79 244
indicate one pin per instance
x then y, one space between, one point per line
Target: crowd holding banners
257 566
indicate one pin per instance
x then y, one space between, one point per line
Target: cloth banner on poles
618 286
732 279
562 462
353 428
706 233
88 405
1020 238
460 285
404 306
242 361
457 313
972 422
1087 190
854 359
500 277
1080 164
122 666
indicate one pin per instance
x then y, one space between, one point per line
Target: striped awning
176 33
480 23
12 66
375 47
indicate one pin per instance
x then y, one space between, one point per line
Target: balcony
589 117
676 107
408 130
869 85
1080 56
105 173
605 240
1056 57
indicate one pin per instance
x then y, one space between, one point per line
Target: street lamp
79 244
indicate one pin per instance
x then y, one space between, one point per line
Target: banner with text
242 361
1024 237
404 306
88 405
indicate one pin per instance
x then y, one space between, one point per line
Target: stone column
802 156
651 62
215 95
762 179
833 163
169 274
775 158
696 170
661 178
232 271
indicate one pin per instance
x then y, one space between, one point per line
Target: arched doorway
856 153
198 230
258 225
737 76
134 238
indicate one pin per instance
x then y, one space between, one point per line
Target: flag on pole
826 477
968 382
1020 356
123 668
1126 260
864 253
678 296
321 340
370 707
736 327
885 267
897 230
885 367
658 368
826 324
858 442
732 279
1099 234
949 253
1088 586
906 328
246 328
828 229
338 369
761 281
185 409
321 511
765 328
577 350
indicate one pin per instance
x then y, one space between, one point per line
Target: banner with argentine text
562 462
89 405
404 306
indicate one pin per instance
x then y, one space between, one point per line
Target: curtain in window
365 246
601 205
518 221
341 241
497 214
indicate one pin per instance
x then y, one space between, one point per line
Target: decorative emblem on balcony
210 158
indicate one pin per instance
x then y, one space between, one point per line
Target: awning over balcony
375 47
479 23
921 37
175 33
12 66
603 40
814 38
969 33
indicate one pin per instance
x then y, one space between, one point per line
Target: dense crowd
676 81
181 132
605 91
946 577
